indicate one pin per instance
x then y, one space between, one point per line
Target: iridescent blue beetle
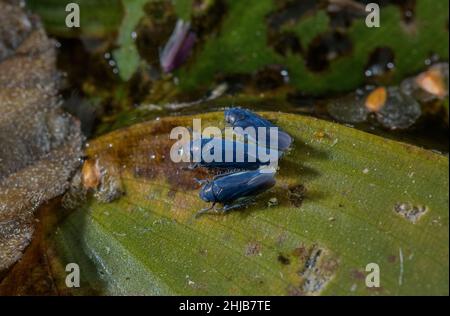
235 154
237 117
235 190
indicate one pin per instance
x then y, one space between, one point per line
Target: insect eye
234 115
229 118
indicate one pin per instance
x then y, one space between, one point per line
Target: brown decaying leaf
40 144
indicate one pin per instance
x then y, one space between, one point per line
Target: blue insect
243 118
235 190
234 155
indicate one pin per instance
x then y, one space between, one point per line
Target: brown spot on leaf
392 258
270 77
253 249
142 152
357 274
296 194
283 259
300 252
285 43
326 48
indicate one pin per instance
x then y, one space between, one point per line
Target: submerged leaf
40 145
337 206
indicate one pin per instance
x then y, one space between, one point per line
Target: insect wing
245 118
242 184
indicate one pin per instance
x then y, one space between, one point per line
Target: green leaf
342 198
126 55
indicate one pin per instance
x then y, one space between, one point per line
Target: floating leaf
343 199
244 44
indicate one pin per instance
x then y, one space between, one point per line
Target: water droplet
400 111
349 109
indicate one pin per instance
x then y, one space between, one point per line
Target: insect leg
236 205
191 166
201 182
205 210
